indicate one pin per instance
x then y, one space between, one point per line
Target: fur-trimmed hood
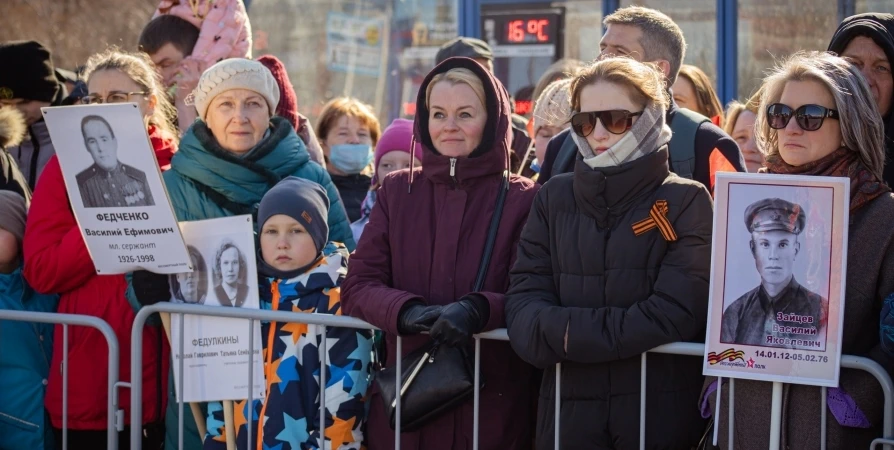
12 127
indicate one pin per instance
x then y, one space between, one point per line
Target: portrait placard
115 189
777 278
215 349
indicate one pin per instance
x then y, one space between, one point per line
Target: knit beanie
12 214
236 73
553 108
28 73
288 101
397 137
302 200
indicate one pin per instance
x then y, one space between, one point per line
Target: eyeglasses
615 121
808 117
115 97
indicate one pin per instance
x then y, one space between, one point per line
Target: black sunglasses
808 117
615 121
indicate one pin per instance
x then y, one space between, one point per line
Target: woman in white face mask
349 130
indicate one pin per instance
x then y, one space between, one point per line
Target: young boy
25 348
303 272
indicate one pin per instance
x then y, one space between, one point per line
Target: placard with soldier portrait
777 278
115 189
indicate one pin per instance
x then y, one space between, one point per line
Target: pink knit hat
224 30
397 137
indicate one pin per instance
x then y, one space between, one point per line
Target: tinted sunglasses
615 121
808 117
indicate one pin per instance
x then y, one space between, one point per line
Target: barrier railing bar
477 396
323 390
397 387
642 401
98 324
558 404
881 375
678 348
823 393
180 427
65 387
881 441
251 386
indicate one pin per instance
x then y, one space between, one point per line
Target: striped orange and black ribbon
657 219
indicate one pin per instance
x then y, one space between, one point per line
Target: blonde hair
662 38
861 124
459 75
734 110
705 95
139 68
644 82
340 107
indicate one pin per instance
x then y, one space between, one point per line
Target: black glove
460 320
415 318
150 288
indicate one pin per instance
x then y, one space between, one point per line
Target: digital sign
523 28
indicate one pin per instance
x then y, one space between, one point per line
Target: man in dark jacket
482 54
648 35
867 40
30 86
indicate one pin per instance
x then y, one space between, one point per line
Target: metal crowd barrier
680 348
67 320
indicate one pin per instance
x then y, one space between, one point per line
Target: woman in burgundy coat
416 264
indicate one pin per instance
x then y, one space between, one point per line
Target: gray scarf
647 135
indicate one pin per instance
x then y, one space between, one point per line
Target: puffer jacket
207 182
291 404
583 270
26 350
57 261
224 29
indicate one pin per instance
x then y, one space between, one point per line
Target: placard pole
194 407
230 424
775 415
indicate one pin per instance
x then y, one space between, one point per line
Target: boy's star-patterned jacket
291 408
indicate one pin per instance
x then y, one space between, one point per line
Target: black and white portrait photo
777 267
230 273
191 287
108 182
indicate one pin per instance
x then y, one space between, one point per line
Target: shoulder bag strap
492 234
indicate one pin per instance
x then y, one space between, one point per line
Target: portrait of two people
229 274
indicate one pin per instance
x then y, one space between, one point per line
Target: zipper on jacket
453 171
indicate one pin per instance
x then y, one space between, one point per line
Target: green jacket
206 182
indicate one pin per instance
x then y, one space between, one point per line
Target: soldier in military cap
780 312
108 182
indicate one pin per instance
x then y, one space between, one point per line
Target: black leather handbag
436 379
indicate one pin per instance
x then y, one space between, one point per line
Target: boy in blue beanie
303 272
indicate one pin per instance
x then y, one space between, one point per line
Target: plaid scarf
647 135
841 163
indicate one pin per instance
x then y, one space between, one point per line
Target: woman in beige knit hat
228 159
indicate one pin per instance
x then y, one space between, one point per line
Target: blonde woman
739 124
817 117
416 266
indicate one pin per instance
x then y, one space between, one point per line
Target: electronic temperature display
525 29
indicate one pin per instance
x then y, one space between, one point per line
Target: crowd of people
463 219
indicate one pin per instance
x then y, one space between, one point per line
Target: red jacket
57 261
426 245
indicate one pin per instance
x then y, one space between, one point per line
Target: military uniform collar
768 302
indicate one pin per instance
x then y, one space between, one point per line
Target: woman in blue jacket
25 348
228 159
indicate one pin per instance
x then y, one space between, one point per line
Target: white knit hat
553 108
236 73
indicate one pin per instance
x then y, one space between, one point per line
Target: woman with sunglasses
56 260
818 117
614 261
